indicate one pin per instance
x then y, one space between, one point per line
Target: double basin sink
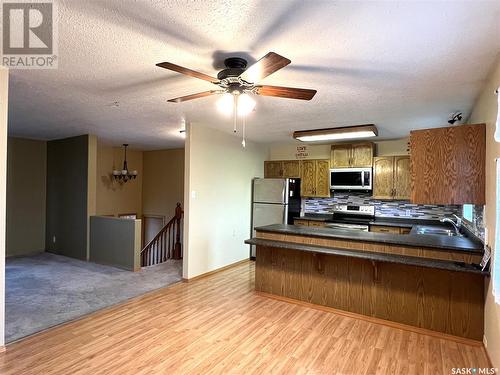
424 229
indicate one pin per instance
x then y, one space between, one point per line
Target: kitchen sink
436 231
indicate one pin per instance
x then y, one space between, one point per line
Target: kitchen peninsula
431 282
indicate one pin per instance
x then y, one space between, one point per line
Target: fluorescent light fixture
335 134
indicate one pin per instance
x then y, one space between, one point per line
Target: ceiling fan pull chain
243 142
235 112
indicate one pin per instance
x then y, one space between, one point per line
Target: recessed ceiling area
398 65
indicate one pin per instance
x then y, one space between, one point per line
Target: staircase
166 244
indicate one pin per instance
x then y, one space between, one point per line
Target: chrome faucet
456 225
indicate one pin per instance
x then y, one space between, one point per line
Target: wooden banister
166 244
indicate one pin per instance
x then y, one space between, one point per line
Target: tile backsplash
403 209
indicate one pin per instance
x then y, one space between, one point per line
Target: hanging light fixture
124 175
237 104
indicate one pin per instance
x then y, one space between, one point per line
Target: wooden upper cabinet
448 165
383 177
291 168
356 155
282 169
315 181
362 155
273 169
391 177
308 178
402 186
341 156
322 178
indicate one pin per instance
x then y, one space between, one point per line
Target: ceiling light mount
337 134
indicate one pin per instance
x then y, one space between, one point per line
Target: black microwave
351 179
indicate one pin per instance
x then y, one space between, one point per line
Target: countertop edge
381 257
383 238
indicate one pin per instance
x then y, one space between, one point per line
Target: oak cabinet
356 155
291 169
314 176
282 169
309 223
389 229
391 177
301 222
273 169
448 165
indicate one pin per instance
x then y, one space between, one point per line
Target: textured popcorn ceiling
400 65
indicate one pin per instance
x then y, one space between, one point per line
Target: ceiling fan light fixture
225 104
335 134
245 105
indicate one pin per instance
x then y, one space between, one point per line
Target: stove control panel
354 209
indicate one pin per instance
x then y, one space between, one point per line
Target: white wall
217 198
4 90
485 111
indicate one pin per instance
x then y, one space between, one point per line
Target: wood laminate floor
218 325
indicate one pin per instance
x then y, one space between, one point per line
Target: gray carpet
46 289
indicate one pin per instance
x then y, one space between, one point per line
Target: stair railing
166 244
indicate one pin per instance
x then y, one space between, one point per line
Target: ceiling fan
238 79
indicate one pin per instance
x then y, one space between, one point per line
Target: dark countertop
402 222
389 258
439 242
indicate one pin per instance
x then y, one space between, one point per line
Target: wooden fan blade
264 67
286 92
186 71
194 96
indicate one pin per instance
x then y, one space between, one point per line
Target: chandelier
124 175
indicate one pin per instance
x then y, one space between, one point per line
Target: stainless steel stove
352 217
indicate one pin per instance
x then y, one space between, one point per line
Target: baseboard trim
388 323
487 355
210 273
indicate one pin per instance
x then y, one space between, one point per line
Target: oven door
351 179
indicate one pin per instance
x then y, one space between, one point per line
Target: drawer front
301 222
316 223
384 229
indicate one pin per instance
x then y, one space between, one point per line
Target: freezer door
270 190
267 214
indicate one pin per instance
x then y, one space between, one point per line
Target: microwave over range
351 179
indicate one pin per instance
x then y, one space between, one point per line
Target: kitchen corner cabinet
282 169
355 155
315 178
448 165
391 177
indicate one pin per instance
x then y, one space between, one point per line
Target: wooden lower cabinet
444 301
309 223
301 222
389 229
